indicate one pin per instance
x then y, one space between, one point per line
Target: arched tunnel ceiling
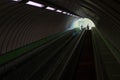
91 8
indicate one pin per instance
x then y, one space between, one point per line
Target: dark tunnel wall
110 30
21 24
109 21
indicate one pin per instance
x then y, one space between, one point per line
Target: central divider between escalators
86 66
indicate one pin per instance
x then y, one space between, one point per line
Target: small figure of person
81 27
88 27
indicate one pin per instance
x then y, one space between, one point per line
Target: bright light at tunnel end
83 23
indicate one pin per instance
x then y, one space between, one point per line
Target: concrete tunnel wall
21 24
109 21
110 30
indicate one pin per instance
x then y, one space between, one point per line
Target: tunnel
50 40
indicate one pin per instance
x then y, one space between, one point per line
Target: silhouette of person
81 27
88 27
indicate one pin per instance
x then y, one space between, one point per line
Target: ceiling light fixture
68 13
35 4
58 11
64 12
50 8
17 0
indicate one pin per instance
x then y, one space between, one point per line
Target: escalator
86 65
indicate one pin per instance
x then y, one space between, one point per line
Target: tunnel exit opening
83 23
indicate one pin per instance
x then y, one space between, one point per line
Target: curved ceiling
91 8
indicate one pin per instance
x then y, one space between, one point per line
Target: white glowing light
64 12
68 13
17 0
83 23
35 4
50 8
58 11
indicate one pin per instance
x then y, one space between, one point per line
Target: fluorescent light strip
58 11
64 12
50 8
35 4
17 0
68 13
